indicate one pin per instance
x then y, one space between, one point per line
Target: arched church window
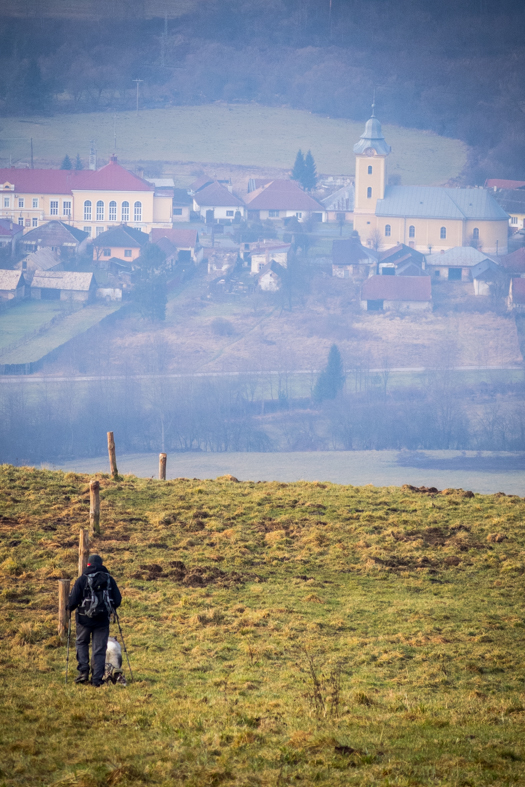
411 231
443 233
369 192
475 233
369 170
125 211
100 210
87 210
388 230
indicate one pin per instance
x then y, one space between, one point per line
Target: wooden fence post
94 507
112 455
162 466
83 551
63 595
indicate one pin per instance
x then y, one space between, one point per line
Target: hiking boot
82 679
96 683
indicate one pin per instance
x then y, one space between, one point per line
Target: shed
403 293
12 285
485 274
186 241
270 277
43 259
454 264
63 286
350 258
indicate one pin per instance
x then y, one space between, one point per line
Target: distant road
15 378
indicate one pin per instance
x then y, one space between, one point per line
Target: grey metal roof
432 202
459 256
11 280
62 280
372 137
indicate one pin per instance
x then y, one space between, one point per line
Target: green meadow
279 634
241 135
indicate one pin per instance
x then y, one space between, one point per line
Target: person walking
95 596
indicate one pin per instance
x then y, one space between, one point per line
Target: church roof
372 137
431 202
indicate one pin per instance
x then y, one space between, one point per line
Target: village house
428 218
215 202
63 286
261 253
514 263
121 243
10 234
58 236
12 285
454 264
182 204
489 278
400 260
282 199
350 259
513 202
270 277
516 299
45 259
400 293
339 205
221 261
185 241
93 200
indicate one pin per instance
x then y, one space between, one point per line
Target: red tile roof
518 290
217 196
111 177
182 239
281 195
514 262
397 288
497 183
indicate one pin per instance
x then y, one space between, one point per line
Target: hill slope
279 634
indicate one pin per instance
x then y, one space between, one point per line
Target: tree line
454 67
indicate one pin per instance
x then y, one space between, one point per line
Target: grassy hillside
248 135
280 634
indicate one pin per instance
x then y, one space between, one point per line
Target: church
428 218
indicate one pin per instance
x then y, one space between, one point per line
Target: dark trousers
99 644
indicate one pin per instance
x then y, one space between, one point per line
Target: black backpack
97 595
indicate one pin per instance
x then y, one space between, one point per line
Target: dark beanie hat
94 560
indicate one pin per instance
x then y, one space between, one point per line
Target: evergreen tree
331 379
66 164
298 167
34 92
78 162
309 180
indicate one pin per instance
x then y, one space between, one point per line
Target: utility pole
138 81
114 133
32 164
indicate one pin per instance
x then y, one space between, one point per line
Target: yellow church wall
144 197
163 211
376 180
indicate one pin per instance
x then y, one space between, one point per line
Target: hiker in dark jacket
93 593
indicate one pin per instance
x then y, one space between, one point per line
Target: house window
137 211
35 223
513 219
66 208
229 212
87 210
369 170
88 230
100 230
35 202
53 207
369 192
177 211
7 202
107 252
125 211
388 230
411 231
20 202
127 252
21 221
443 233
475 233
437 273
112 211
299 215
273 214
100 210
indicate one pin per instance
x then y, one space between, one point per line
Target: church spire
372 138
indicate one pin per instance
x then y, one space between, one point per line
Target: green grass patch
279 633
246 135
25 317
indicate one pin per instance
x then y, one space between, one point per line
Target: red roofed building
281 199
516 299
514 263
498 183
402 293
92 200
185 241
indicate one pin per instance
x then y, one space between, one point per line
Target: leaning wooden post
162 466
83 551
63 595
112 455
94 507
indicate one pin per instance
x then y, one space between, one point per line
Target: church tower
370 167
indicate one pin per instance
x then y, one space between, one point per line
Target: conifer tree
331 379
299 167
309 180
78 162
66 164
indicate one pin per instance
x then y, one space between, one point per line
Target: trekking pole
68 639
123 644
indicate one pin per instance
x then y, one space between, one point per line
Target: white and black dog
113 672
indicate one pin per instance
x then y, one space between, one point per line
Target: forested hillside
454 67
